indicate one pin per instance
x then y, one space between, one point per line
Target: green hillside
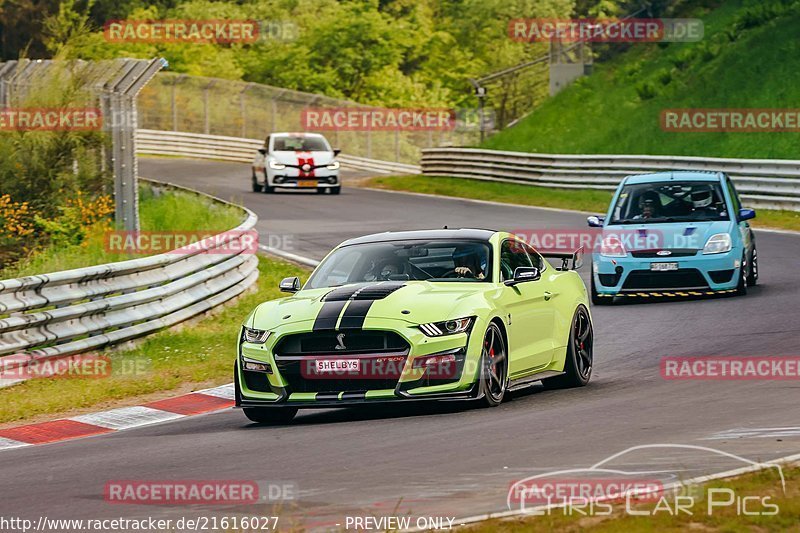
749 58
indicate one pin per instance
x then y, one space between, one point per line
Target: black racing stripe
342 293
361 395
355 314
326 396
329 315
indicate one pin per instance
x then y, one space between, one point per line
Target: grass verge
757 485
202 354
511 193
160 210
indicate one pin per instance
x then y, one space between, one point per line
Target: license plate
663 267
307 183
328 366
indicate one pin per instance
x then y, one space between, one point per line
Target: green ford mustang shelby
417 315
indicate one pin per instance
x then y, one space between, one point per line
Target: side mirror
262 151
290 284
523 274
336 151
595 221
746 214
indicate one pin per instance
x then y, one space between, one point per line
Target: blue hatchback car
674 234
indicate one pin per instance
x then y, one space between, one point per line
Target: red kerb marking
191 404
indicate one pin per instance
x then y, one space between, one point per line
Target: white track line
7 444
288 255
127 417
223 391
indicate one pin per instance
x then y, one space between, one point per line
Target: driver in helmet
702 197
470 262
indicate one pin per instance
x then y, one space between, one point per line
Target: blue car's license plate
662 267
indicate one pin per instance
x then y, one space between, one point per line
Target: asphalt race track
450 460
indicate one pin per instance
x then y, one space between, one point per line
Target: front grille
674 252
721 276
384 345
328 343
684 278
299 381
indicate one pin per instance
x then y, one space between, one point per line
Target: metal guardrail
238 149
63 313
766 183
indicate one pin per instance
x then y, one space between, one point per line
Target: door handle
547 296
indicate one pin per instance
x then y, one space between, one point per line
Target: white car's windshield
300 144
435 260
673 201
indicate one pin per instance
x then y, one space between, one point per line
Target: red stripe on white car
305 158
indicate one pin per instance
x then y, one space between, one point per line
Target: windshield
300 144
437 260
672 201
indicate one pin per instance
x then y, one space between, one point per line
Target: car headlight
447 327
717 244
255 336
275 165
612 247
333 166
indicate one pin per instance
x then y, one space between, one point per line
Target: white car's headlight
717 244
275 165
612 247
333 166
446 327
255 336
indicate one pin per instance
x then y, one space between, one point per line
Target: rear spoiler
569 260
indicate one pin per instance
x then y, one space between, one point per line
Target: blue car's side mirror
746 214
595 221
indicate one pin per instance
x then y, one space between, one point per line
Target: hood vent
377 291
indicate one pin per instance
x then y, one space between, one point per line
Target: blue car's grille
673 252
684 278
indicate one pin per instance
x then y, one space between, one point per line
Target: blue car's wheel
741 288
752 276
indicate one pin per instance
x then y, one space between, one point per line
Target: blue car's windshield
673 201
434 260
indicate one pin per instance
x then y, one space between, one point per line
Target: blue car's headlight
255 336
447 327
717 244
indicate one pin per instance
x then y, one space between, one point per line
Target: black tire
336 190
493 377
273 416
741 288
268 189
596 298
580 354
752 276
256 186
320 190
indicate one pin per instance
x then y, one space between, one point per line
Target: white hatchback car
296 161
